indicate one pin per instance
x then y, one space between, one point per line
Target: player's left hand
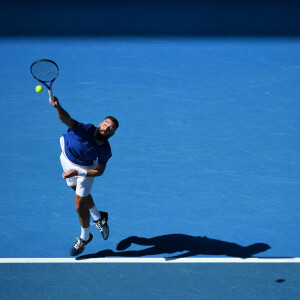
69 173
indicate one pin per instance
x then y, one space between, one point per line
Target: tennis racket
45 71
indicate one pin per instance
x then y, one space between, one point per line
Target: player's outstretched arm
62 114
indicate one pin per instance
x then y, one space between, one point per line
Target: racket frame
47 83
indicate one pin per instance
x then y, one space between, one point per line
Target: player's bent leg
100 217
90 201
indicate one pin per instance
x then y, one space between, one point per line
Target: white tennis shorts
83 184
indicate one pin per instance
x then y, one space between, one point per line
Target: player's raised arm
62 114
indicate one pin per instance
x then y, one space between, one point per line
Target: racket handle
50 94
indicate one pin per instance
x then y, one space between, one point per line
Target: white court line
149 260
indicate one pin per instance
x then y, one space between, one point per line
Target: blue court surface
205 164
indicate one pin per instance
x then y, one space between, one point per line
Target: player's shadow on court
174 243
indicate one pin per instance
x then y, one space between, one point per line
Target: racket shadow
187 245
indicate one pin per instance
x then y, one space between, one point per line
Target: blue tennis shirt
81 147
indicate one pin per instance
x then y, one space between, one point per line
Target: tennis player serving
85 152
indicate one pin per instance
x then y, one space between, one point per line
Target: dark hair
114 120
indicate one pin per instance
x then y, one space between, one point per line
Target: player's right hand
54 102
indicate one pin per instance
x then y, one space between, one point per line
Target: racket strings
44 70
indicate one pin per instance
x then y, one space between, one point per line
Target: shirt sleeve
104 155
83 130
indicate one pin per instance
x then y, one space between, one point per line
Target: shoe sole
104 215
105 238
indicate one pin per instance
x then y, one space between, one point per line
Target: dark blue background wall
90 17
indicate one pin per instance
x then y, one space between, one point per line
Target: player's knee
80 202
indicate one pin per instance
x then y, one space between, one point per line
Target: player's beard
101 137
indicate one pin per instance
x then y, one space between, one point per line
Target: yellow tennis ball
38 88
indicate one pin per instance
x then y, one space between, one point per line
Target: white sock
85 233
95 213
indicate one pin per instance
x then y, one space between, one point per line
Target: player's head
107 128
114 120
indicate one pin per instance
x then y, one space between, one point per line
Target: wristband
82 172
